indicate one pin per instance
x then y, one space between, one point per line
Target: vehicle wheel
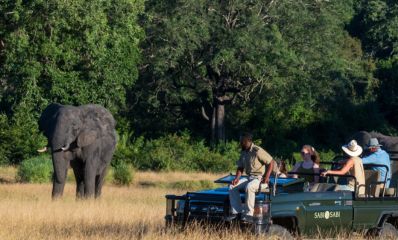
276 232
388 232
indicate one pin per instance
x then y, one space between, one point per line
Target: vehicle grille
208 208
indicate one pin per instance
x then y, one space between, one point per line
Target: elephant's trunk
60 172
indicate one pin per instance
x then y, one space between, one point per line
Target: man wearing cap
258 165
354 164
378 156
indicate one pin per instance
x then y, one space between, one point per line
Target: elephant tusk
43 150
65 147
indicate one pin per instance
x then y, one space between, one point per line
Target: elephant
83 137
389 143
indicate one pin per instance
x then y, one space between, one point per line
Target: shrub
19 139
36 170
176 153
123 174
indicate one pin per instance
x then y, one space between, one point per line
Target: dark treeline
290 72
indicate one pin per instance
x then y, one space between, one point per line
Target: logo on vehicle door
327 214
212 208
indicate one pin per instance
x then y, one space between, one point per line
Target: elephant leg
78 169
99 182
91 154
108 149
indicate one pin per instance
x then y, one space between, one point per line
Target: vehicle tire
388 232
276 232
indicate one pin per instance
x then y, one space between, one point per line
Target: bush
36 170
176 153
19 139
123 174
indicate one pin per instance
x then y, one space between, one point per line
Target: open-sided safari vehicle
287 207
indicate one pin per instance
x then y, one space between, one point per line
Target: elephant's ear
47 116
97 123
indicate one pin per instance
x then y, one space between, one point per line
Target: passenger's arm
239 172
316 177
343 171
296 167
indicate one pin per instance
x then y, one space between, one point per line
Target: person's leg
234 195
251 189
346 188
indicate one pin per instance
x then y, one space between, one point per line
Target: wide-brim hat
352 149
373 143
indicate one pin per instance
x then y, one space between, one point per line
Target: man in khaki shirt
258 165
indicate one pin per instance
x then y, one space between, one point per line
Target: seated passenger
378 156
282 169
309 165
354 165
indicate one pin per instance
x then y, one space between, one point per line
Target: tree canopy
290 72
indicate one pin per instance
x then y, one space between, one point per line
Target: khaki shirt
254 161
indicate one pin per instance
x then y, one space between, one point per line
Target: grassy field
134 212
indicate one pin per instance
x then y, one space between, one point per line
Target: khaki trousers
250 185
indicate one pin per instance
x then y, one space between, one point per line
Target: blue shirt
380 157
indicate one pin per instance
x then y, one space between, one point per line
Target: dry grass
27 211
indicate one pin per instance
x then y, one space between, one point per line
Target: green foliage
72 52
19 140
176 153
375 24
36 170
123 174
207 54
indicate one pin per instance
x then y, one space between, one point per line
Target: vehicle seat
340 180
263 189
322 179
325 187
389 192
394 174
371 176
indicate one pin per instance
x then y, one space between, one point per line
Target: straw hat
373 143
352 149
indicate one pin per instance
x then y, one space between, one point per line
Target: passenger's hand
235 181
265 180
323 174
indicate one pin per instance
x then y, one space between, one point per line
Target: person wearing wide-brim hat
354 165
378 156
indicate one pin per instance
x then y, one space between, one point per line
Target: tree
72 52
375 23
204 55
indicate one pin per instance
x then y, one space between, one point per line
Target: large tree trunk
218 123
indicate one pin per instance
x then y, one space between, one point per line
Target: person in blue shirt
378 156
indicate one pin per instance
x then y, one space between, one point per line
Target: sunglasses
303 153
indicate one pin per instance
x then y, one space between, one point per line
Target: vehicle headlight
261 212
180 206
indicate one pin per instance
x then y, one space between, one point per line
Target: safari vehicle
288 208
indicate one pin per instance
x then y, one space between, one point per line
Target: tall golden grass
134 212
